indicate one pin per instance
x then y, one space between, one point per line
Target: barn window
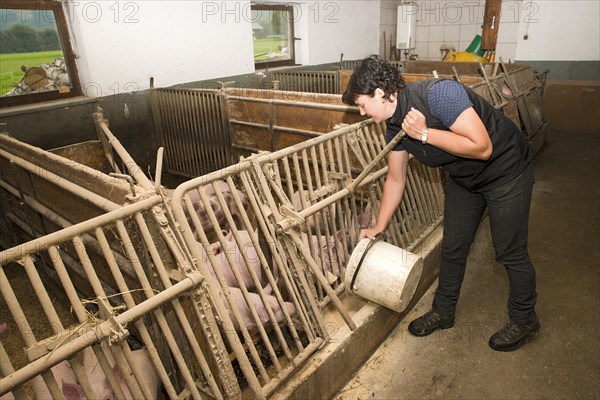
273 35
37 62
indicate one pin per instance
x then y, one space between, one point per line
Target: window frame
279 63
63 33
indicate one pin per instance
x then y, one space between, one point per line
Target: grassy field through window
267 48
10 65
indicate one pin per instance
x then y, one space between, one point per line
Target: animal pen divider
126 260
205 130
225 282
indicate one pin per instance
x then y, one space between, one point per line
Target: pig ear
72 391
268 289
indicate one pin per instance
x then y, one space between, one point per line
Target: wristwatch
424 136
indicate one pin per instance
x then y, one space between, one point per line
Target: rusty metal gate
221 283
349 65
311 81
526 88
192 127
142 289
307 81
284 224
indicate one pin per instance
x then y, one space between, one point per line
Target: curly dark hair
372 73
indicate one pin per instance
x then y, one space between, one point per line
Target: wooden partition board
280 119
84 176
40 181
88 153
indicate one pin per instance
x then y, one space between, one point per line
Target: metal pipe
6 368
15 309
134 170
229 330
290 247
130 303
96 284
158 313
318 106
267 157
303 132
270 240
79 311
322 280
17 252
159 165
60 221
166 281
496 99
263 263
234 309
206 129
186 114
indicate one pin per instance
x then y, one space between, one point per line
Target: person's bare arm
393 190
467 137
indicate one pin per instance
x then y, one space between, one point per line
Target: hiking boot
512 336
429 322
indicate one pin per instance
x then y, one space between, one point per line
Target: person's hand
369 233
414 123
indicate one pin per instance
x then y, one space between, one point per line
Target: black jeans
508 207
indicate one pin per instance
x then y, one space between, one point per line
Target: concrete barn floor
563 361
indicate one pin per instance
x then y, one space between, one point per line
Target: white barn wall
350 27
561 31
174 41
122 44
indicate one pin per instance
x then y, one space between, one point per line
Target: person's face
376 106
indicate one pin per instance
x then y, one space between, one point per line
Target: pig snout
200 209
364 218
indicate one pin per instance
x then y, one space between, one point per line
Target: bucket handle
374 239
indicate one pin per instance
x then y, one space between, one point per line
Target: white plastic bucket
383 273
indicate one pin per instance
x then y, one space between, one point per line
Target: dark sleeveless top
511 151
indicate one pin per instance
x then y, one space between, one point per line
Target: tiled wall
454 24
387 28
